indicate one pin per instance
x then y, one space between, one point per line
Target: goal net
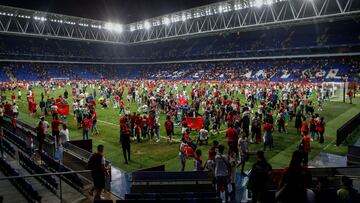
337 90
55 79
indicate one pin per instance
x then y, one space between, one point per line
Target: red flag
182 101
195 123
63 109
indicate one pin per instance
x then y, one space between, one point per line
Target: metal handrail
43 174
75 150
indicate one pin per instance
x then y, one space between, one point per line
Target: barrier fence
53 189
344 131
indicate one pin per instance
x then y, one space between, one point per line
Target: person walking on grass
305 148
243 147
232 137
312 128
268 138
94 130
86 124
125 134
320 128
182 154
169 127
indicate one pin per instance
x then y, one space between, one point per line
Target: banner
182 101
63 109
195 123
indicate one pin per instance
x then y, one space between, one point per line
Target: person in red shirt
40 134
94 129
122 106
14 125
304 127
13 97
125 138
232 137
55 131
169 127
86 124
132 122
186 136
138 126
268 138
350 94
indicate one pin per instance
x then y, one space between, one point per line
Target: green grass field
148 154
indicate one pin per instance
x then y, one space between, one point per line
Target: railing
57 194
343 132
74 158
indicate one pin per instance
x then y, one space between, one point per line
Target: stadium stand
287 70
9 149
33 168
150 186
20 183
52 165
318 38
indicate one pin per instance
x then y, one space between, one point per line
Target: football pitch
150 153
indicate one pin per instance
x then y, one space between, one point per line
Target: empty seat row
189 195
21 184
33 168
73 178
192 200
16 140
8 148
173 176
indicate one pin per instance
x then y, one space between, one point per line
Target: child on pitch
197 161
203 136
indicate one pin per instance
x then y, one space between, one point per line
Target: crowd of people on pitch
267 107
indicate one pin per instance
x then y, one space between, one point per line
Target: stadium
218 101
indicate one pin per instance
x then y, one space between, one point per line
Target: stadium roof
221 16
123 11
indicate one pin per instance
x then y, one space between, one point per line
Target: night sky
121 11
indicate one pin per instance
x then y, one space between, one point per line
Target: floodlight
220 9
113 27
118 28
147 25
183 17
258 3
166 21
132 28
268 2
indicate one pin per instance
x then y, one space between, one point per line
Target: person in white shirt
19 95
64 135
203 137
45 124
15 110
